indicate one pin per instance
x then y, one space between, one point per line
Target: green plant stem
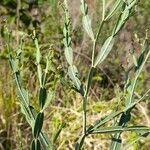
85 99
18 20
84 115
88 85
103 13
90 76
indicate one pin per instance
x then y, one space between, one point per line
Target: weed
125 10
106 122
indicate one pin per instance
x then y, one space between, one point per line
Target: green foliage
108 95
125 115
34 119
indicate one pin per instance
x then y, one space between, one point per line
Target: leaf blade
105 50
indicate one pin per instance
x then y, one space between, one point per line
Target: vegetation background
46 16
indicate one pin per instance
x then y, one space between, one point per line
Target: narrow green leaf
126 13
25 95
118 129
84 7
45 141
122 20
36 145
33 117
90 76
38 124
34 112
21 91
80 143
58 132
14 64
24 110
87 26
38 54
106 48
67 37
116 142
103 120
42 97
134 60
86 21
73 74
141 58
69 55
132 3
39 69
33 144
116 6
38 61
49 98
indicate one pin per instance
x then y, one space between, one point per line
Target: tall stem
103 13
84 115
91 75
17 20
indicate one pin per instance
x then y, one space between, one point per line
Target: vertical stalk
17 20
84 115
91 71
103 13
92 65
93 52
